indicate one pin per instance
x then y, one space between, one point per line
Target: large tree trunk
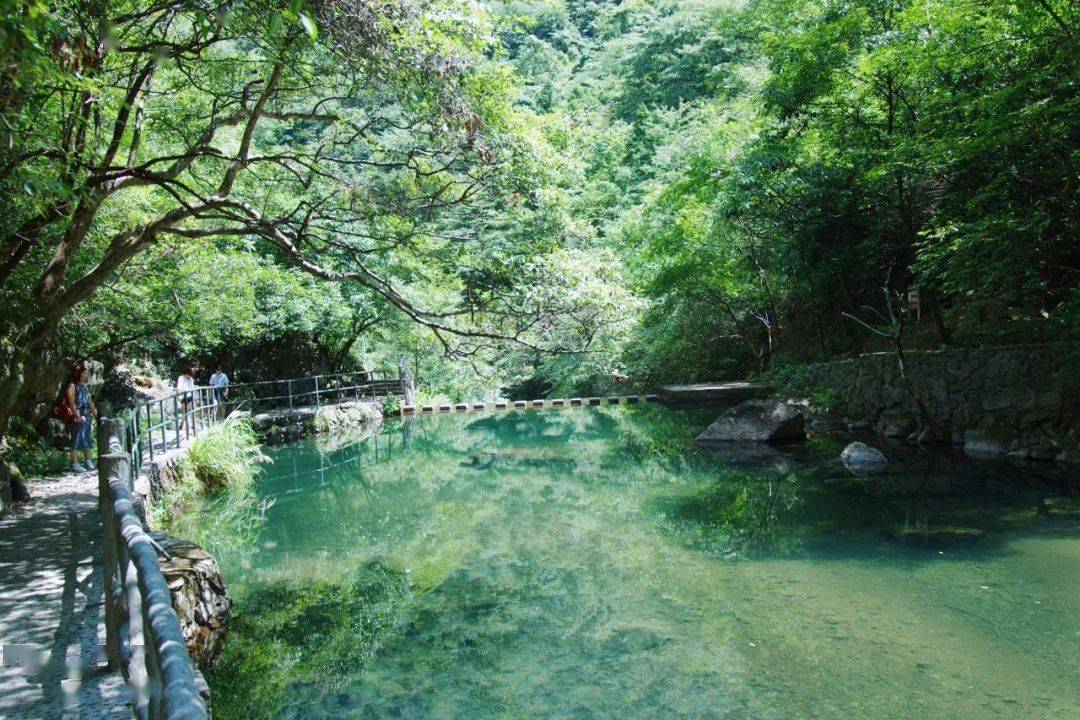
29 380
11 377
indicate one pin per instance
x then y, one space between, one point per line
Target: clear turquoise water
593 563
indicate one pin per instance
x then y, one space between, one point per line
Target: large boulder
199 597
347 416
863 459
757 421
53 432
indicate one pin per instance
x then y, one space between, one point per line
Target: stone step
525 404
728 393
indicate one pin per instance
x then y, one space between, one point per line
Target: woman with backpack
76 408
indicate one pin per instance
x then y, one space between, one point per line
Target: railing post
176 417
317 404
164 426
112 462
290 394
136 440
150 430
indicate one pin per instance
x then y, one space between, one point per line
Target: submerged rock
757 458
757 421
987 442
935 536
862 459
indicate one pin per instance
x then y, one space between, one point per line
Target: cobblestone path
51 607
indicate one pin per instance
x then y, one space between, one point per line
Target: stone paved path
51 600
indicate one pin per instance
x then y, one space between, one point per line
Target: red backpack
61 410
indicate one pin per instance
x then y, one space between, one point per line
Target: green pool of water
593 563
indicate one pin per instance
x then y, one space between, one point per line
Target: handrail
157 425
143 635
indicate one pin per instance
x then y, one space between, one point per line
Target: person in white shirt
185 386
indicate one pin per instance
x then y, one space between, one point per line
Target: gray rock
896 423
54 433
281 426
346 416
987 442
757 421
199 597
861 459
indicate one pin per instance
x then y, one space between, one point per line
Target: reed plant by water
223 457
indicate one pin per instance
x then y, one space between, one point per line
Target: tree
339 134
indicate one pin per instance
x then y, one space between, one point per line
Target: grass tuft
222 459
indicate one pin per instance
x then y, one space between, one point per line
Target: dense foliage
765 167
536 196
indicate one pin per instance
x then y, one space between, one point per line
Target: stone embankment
199 597
287 425
1022 401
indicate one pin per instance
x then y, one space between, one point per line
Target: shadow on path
51 603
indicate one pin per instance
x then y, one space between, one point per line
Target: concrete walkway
51 603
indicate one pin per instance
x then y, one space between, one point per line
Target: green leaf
309 26
275 23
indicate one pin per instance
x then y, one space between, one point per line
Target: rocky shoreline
1020 401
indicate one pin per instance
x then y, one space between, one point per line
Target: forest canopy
529 196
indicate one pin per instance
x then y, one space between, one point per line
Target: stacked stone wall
1022 400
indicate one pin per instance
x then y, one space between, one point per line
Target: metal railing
143 636
153 427
314 390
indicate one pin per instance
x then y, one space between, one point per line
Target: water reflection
595 563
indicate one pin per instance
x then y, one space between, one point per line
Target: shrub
391 405
223 457
29 452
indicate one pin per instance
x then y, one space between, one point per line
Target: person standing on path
185 386
77 397
219 381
